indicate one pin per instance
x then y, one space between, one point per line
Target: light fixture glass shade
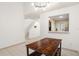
43 5
40 4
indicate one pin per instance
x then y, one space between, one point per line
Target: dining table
46 46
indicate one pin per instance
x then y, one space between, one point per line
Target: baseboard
71 50
12 45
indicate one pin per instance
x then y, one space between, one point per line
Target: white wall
35 32
69 40
27 23
29 26
11 24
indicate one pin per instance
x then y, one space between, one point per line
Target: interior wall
35 30
11 24
27 23
29 27
69 40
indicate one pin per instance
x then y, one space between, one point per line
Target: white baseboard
71 50
13 44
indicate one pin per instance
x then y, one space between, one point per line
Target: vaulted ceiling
30 12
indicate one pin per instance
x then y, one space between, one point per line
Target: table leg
60 50
27 51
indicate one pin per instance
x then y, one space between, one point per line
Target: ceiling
30 12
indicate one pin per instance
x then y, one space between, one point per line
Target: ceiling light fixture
40 5
43 5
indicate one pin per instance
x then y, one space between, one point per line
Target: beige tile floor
20 50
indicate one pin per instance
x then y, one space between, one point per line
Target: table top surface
45 45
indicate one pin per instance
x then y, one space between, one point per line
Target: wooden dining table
46 46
